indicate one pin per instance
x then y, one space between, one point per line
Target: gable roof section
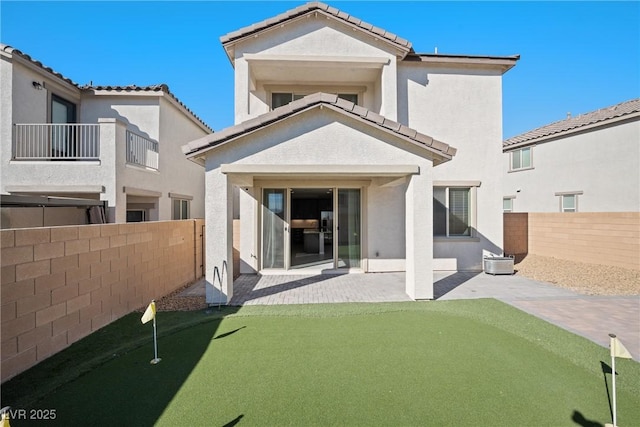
11 51
575 124
397 42
443 152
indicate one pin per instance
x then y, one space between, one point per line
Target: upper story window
521 159
278 99
62 111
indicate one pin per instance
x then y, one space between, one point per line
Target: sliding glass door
274 227
349 228
311 227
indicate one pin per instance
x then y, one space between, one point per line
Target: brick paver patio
592 317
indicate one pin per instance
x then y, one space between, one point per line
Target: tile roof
332 101
13 51
399 42
575 124
151 88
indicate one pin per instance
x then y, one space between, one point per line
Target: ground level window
452 211
180 209
136 215
569 201
507 204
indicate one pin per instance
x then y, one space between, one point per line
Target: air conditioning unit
498 265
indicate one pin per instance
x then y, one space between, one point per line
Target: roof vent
568 114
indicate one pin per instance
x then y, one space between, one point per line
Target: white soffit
321 170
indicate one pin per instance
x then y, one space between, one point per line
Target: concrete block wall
608 238
59 284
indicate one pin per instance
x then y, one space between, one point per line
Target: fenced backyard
606 238
60 284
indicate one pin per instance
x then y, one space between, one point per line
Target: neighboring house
342 155
111 146
586 163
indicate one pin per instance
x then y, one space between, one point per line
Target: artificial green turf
476 362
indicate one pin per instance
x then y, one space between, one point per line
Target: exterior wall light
37 85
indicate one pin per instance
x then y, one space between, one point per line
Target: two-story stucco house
351 152
585 163
118 145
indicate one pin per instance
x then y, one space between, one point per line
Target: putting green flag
618 350
149 313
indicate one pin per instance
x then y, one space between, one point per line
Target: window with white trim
181 208
521 159
452 211
507 204
278 99
569 201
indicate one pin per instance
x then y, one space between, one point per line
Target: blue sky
575 56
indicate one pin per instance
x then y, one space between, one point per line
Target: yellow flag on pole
619 350
5 420
149 313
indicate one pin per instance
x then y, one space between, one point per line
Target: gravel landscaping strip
586 279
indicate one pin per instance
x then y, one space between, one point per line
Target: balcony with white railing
142 151
50 141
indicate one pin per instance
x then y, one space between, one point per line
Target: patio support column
419 235
219 226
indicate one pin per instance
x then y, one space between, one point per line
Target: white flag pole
156 359
613 374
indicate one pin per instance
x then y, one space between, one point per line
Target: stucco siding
386 222
311 138
179 174
601 163
464 109
313 38
328 138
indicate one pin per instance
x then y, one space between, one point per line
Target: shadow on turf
234 421
123 377
226 334
579 419
606 369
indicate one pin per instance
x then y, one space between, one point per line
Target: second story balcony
77 142
142 151
51 141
